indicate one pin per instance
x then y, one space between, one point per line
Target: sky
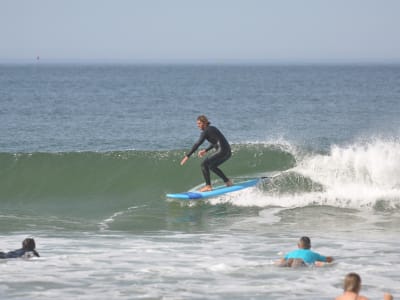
202 30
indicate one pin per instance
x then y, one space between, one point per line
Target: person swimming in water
219 143
304 256
352 287
27 250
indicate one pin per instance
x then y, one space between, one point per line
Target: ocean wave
362 175
99 184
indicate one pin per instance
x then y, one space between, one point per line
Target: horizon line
40 60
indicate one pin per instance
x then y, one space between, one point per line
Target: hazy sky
213 30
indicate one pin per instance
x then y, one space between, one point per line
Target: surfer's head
29 244
202 122
352 283
305 242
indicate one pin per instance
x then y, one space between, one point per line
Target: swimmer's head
305 242
29 244
352 283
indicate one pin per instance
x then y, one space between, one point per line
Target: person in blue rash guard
27 250
219 143
304 256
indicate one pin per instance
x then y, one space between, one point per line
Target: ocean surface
88 152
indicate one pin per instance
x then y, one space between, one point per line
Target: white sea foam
376 164
361 175
217 265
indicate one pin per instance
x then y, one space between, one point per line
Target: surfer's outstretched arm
184 160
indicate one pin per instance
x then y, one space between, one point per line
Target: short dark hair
29 244
305 242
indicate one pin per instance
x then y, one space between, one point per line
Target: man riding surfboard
219 143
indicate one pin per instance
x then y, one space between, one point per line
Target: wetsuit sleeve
197 144
15 253
210 147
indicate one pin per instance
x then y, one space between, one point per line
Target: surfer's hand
184 160
202 153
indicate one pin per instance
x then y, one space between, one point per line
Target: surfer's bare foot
229 183
206 188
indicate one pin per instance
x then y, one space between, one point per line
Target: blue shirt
308 256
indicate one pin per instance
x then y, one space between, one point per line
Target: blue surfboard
217 191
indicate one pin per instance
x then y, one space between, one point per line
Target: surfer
27 250
217 141
352 287
303 256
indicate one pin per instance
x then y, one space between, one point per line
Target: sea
88 152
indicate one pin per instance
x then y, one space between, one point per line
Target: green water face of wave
92 183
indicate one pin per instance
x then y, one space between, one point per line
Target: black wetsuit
19 253
218 142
